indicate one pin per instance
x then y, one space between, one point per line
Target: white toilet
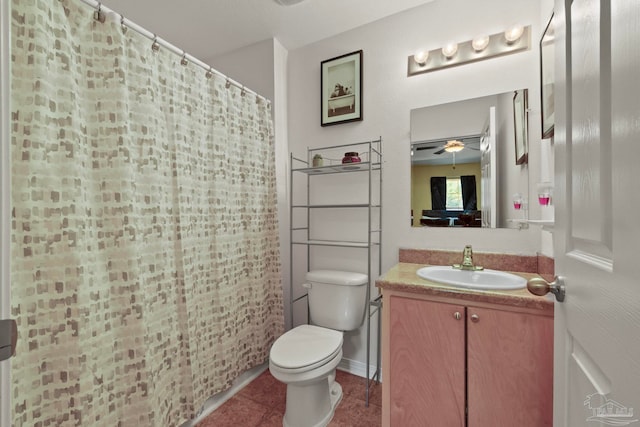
305 358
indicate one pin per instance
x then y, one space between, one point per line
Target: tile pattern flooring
261 404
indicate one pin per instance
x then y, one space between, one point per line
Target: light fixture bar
498 46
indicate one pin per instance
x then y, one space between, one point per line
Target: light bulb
450 49
421 57
514 33
480 43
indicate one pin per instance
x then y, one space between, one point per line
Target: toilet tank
337 299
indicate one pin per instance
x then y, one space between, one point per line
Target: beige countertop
403 278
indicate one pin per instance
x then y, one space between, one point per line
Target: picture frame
521 125
547 53
341 89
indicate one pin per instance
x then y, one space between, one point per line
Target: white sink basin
483 279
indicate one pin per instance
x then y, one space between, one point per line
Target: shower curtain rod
100 8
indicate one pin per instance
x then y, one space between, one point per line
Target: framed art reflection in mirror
520 125
547 80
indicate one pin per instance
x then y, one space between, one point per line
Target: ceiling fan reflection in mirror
463 149
450 145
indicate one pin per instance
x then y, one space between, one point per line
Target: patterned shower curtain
145 262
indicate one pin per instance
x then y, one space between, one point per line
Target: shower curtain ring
124 27
184 61
227 84
99 15
209 73
243 92
155 46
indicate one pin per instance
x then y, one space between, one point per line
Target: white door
597 203
488 165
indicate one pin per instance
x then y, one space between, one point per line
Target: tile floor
261 404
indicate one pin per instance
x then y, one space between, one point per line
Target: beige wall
421 189
388 98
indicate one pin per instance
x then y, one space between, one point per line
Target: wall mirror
466 168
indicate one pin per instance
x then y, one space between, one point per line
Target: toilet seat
305 348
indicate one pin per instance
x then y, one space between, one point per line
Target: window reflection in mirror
454 194
463 172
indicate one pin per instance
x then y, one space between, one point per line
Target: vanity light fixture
480 43
450 50
513 40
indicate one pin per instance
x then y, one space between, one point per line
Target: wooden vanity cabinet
509 368
450 364
426 361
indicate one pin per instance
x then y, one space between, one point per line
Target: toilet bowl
305 358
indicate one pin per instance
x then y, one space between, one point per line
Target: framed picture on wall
341 89
520 125
547 80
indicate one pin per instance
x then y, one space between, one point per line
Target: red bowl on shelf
351 157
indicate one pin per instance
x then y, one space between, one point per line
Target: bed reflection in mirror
463 164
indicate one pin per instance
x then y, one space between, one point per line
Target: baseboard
356 367
214 402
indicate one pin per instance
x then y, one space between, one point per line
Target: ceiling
206 28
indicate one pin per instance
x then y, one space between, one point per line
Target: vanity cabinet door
510 368
427 363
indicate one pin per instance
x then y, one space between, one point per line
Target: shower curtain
145 262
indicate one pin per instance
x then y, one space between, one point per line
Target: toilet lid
305 345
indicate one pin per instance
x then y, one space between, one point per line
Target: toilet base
312 405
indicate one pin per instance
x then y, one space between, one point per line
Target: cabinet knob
457 315
475 318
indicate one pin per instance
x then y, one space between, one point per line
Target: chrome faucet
467 261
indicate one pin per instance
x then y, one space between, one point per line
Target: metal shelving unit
372 150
